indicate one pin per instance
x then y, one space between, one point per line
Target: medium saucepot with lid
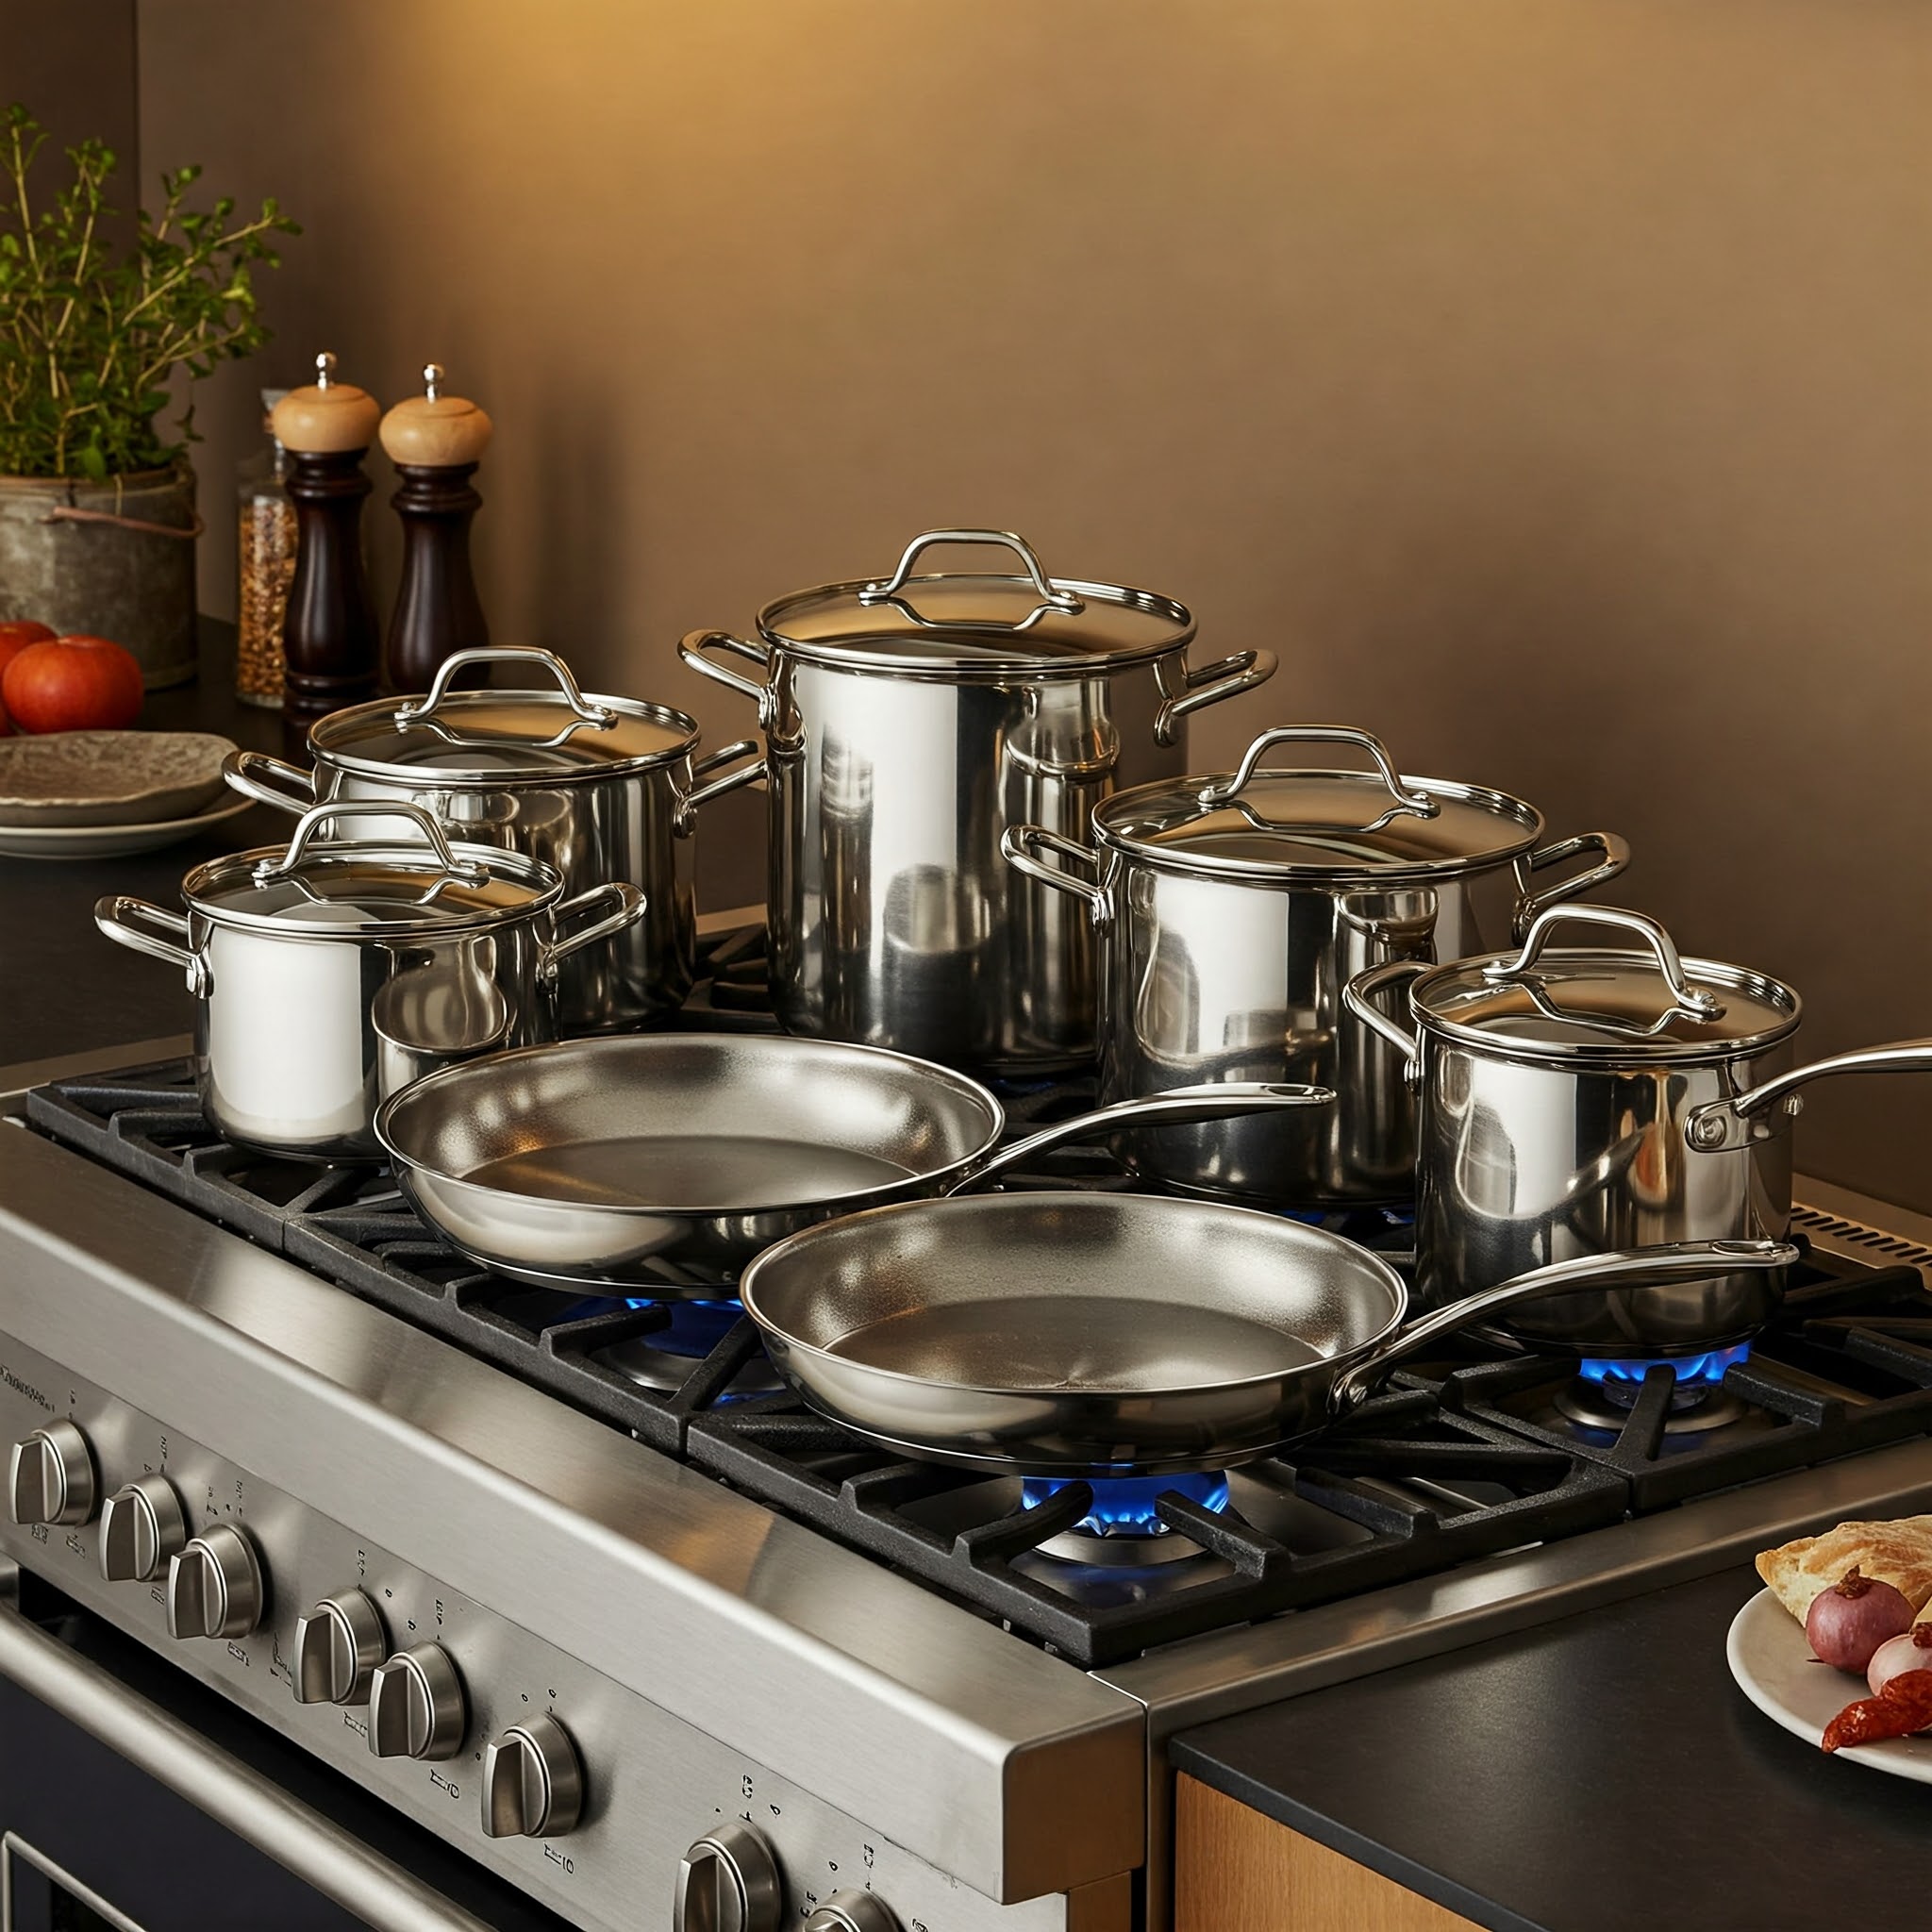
598 787
329 971
909 722
1574 1100
1231 910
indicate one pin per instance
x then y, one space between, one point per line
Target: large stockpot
1575 1100
596 788
329 971
1230 912
909 721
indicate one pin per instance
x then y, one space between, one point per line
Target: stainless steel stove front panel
809 1666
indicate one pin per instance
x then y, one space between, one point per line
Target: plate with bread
1836 1647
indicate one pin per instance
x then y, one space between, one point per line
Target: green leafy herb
89 338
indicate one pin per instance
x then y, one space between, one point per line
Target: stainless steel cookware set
1306 987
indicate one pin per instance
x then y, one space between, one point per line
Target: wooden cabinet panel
1236 1870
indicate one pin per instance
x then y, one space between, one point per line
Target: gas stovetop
1466 1455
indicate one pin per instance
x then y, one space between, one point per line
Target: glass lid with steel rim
1570 1004
1337 828
978 620
490 737
340 888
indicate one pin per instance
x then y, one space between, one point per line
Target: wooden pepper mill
435 441
328 634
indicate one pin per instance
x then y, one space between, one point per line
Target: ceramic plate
112 778
111 842
1775 1668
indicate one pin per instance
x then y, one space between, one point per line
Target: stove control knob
337 1647
141 1526
416 1705
729 1883
52 1477
852 1911
533 1781
215 1587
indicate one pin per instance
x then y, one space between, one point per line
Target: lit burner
1606 1389
1125 1506
663 1358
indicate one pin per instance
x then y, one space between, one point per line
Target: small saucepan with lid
329 969
1577 1100
598 787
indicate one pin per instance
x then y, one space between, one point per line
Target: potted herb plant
97 517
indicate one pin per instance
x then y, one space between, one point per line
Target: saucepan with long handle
593 1163
1108 1335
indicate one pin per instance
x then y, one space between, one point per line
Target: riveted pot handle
1227 678
695 647
1360 997
1050 594
1721 1124
1408 801
601 716
687 819
304 839
1023 846
1670 1261
130 923
1177 1106
628 906
1616 856
1696 1002
269 781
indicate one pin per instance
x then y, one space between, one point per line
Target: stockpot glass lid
976 622
340 888
1355 828
494 737
1568 1003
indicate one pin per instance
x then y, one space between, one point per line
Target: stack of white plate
104 794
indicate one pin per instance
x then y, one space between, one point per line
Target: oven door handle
316 1851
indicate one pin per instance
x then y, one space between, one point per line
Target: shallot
1912 1651
1848 1621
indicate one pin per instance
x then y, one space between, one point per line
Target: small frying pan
1106 1335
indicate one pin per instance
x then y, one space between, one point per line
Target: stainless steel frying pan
592 1164
1107 1334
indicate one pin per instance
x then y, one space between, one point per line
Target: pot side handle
1227 678
696 648
1719 1125
1630 1267
130 923
628 903
1359 997
1022 845
685 823
1532 905
268 780
1177 1106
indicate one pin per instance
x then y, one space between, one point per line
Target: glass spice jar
265 564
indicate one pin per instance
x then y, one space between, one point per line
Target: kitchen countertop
66 988
1596 1773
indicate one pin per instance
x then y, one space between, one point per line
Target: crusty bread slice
1898 1552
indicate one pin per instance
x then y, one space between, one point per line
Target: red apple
16 634
72 684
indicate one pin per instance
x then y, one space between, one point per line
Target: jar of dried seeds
265 561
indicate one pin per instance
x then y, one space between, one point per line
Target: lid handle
470 871
1695 1001
1409 802
602 716
1051 596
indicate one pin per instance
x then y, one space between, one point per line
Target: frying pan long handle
1175 1108
1669 1261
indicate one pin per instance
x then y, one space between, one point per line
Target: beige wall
1547 382
72 65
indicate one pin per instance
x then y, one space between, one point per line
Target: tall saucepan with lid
1577 1100
598 787
1230 912
329 971
908 721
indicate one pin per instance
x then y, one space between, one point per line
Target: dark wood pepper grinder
328 633
435 441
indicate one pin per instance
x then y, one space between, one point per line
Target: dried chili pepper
1903 1705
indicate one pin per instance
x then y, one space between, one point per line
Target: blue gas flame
1124 1506
1692 1371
